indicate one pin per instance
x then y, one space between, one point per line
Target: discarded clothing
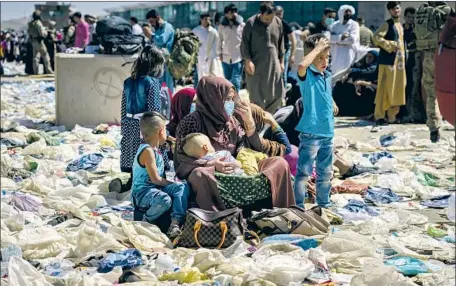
387 140
26 202
87 162
380 196
356 206
439 202
376 156
127 259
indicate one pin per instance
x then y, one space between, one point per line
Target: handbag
292 220
210 229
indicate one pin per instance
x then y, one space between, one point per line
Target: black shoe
435 136
358 170
381 122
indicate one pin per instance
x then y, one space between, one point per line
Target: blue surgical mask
229 107
192 107
329 21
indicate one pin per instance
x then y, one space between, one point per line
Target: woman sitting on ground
181 105
355 94
276 143
213 117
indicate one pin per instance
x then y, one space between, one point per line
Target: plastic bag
408 266
22 273
376 274
346 251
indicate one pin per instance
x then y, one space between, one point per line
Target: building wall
52 11
187 14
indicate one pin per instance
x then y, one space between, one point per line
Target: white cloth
136 29
229 43
208 62
343 52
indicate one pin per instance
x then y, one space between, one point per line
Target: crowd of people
231 131
39 43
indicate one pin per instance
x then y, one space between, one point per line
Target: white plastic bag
376 274
22 273
346 251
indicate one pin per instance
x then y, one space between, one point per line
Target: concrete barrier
89 88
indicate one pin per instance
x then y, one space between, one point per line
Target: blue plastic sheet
408 266
356 206
127 259
439 202
87 162
381 196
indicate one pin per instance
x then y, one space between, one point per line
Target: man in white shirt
208 63
229 45
135 27
344 40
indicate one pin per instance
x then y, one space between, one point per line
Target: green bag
241 190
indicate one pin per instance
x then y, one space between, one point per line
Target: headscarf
342 10
375 54
180 107
211 94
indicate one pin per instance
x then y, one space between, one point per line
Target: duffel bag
292 220
113 25
122 44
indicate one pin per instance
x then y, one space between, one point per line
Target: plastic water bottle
171 174
451 208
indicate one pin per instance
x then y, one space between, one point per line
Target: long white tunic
208 62
343 52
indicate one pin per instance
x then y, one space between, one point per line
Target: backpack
113 25
429 24
122 44
184 54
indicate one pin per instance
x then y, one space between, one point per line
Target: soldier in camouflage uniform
37 34
430 19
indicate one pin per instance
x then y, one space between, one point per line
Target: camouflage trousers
434 117
39 50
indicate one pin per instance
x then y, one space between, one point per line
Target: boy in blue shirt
317 121
152 193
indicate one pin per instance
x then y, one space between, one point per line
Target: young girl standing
141 94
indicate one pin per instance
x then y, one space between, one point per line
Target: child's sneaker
174 229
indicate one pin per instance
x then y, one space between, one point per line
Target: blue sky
14 10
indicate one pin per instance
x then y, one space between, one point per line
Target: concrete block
89 88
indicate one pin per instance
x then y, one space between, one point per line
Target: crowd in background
229 46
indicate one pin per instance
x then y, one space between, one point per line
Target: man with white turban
344 39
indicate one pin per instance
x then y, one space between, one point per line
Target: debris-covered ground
61 226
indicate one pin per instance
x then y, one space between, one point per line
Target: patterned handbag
211 229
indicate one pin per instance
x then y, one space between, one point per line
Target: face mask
329 21
347 17
229 107
192 107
